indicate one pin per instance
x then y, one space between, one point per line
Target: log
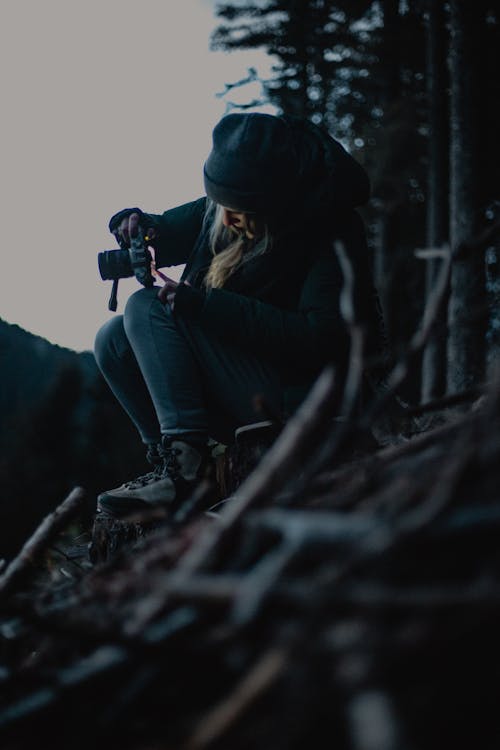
111 536
241 457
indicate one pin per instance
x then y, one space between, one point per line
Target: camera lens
114 264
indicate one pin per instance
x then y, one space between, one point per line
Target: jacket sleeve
178 229
299 338
304 338
314 332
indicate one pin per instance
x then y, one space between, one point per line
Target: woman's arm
171 234
176 232
312 333
295 338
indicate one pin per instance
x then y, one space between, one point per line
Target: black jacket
284 305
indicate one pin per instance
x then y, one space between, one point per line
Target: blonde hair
231 248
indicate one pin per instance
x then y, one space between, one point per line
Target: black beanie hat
281 167
252 166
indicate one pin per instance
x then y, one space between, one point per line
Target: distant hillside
60 426
29 367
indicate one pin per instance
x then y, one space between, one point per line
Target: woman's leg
172 375
168 367
118 364
232 378
198 384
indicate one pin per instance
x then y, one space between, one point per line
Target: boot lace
151 476
166 464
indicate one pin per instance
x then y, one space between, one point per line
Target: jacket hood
330 179
283 167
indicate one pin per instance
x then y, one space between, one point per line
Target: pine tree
359 69
467 308
313 43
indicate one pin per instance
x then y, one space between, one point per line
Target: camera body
125 262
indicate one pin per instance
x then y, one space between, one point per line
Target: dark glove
117 219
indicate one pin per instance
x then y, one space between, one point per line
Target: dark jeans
173 377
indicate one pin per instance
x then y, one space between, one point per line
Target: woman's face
239 221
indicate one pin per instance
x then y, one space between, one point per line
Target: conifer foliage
410 89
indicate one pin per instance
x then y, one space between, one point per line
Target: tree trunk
434 359
467 306
385 256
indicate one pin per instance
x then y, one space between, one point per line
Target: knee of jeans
142 307
110 340
138 305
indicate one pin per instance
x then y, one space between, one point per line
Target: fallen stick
347 430
218 720
448 401
46 532
103 661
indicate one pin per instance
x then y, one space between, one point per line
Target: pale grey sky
105 104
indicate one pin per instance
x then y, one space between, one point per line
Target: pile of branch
342 597
358 604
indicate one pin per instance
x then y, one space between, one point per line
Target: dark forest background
412 90
60 427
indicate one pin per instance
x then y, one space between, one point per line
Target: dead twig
220 718
419 339
343 429
47 531
446 402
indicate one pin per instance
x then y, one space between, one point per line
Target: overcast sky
105 104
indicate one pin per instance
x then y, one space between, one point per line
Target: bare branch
47 531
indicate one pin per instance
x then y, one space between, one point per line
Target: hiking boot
178 467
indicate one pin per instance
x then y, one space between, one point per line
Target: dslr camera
124 262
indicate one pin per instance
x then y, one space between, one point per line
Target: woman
257 307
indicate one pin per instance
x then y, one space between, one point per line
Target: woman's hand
125 224
166 294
